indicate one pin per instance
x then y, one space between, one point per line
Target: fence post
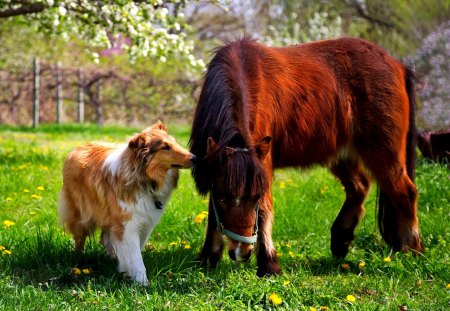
59 95
36 86
80 97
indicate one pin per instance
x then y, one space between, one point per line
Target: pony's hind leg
397 200
356 185
397 215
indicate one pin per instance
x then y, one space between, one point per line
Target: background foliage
169 42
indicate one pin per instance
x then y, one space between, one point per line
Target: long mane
221 112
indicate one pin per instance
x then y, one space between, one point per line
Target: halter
237 237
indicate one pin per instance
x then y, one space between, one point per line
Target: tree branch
26 8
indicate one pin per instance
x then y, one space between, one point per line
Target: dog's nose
193 159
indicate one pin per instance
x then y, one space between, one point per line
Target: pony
123 190
345 104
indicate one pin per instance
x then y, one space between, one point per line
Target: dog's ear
160 126
263 147
137 141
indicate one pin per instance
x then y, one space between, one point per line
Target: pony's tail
385 206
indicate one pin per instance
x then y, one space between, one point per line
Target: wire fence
50 93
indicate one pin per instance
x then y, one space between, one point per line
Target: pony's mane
222 108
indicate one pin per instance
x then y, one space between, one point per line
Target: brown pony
345 104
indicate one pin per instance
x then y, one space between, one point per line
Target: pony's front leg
266 254
213 247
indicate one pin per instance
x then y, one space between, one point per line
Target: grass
38 273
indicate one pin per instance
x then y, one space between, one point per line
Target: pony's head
237 184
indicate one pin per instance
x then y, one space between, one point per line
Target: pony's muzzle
238 251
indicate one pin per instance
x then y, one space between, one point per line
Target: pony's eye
165 147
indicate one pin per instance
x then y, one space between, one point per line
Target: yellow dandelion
282 185
387 259
312 309
26 190
324 308
35 196
44 168
22 166
32 213
199 218
345 266
2 247
287 282
7 252
361 264
183 242
275 299
76 271
187 246
8 223
279 254
448 286
8 199
173 243
86 271
40 188
291 254
205 213
351 298
288 245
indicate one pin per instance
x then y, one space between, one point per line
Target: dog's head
157 152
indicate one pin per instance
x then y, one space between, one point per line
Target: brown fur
344 104
91 193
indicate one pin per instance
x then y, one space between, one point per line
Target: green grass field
37 265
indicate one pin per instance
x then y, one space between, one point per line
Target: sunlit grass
39 270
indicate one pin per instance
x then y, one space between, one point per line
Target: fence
51 93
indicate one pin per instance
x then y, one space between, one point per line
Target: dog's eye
165 147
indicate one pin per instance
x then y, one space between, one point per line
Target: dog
121 189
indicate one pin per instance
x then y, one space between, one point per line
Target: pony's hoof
340 242
213 259
271 268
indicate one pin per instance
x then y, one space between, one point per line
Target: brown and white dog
121 189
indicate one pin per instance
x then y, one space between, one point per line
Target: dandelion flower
40 188
7 252
32 213
86 271
8 223
26 190
387 259
448 286
287 282
200 218
8 199
351 298
76 271
2 247
324 308
275 299
345 266
291 254
279 254
183 242
35 196
187 246
282 185
173 243
312 309
361 264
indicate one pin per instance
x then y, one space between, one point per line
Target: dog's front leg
129 255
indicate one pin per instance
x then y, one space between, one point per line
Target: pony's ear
160 126
263 147
211 145
137 141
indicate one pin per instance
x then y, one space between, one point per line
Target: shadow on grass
47 260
